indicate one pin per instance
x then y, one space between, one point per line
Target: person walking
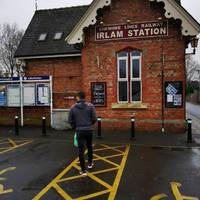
82 117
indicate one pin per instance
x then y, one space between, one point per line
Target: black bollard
44 132
99 127
132 127
16 125
189 122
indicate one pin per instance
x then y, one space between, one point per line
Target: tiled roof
50 22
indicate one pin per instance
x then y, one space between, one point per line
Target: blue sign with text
2 95
29 78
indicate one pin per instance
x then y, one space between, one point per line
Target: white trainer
90 166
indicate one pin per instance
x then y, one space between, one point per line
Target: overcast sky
21 11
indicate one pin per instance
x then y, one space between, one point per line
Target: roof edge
190 27
62 8
48 56
89 18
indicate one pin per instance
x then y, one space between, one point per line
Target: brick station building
128 56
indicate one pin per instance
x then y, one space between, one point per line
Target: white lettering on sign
113 34
137 30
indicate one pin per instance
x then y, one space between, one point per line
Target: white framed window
42 37
129 82
122 85
136 79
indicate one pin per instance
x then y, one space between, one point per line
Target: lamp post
198 97
194 44
162 80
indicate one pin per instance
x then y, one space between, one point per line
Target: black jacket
82 116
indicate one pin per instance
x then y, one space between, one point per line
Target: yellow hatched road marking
51 184
14 145
7 170
105 147
110 189
93 195
69 178
98 180
106 160
12 142
2 191
106 170
159 196
94 173
61 192
95 178
177 193
114 148
119 174
112 156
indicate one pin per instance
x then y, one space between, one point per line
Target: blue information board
35 93
43 94
28 78
2 95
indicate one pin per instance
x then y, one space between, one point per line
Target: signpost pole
132 127
99 127
21 101
163 107
16 126
44 132
51 99
189 140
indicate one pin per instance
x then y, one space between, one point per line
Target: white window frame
129 78
122 79
135 79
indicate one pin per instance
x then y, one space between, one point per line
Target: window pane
135 53
136 91
122 54
136 68
123 91
122 68
42 37
58 36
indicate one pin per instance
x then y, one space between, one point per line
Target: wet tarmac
123 172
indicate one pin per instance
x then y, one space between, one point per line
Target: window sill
132 106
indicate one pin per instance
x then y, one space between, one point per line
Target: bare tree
192 68
10 37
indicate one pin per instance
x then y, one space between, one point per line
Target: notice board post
21 101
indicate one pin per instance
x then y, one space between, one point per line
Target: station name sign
132 31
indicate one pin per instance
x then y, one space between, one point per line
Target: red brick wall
67 80
174 50
67 77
